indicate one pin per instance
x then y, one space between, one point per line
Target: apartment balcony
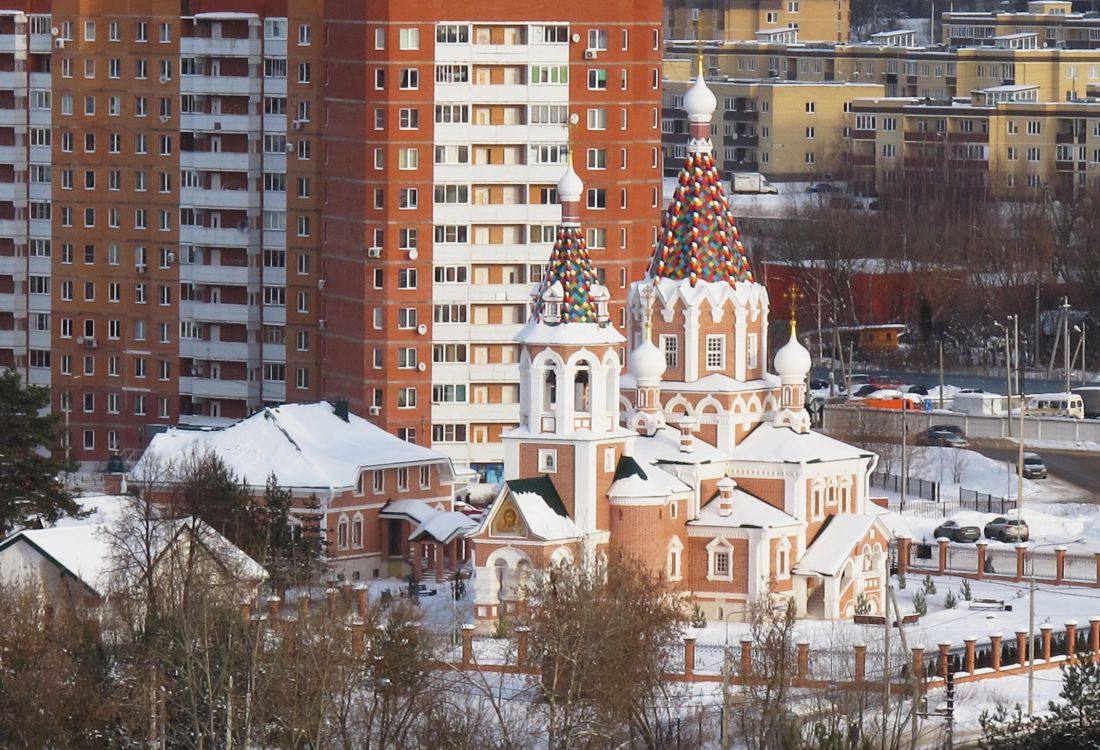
465 133
862 135
516 213
215 275
42 43
41 81
505 93
475 413
479 373
535 252
492 332
218 351
41 154
13 339
10 118
13 228
11 80
743 115
223 161
502 54
208 388
274 315
213 236
210 47
220 85
214 312
219 199
215 123
17 303
481 293
499 173
12 266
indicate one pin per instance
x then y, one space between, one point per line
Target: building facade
222 205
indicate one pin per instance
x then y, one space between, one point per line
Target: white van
1056 405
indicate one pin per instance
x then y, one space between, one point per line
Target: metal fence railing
915 487
983 502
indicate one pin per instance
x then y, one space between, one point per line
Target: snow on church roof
304 445
441 525
542 520
773 444
833 546
748 512
631 480
699 239
664 447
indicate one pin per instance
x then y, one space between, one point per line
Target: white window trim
715 547
548 460
674 552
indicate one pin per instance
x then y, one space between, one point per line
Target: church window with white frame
719 560
673 568
548 460
716 351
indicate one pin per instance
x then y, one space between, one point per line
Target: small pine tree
950 601
698 619
929 586
966 592
863 604
920 604
902 583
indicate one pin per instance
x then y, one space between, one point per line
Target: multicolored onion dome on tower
570 291
698 239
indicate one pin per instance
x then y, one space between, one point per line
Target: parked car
944 439
818 384
1034 468
918 390
956 533
1007 529
947 428
820 187
865 390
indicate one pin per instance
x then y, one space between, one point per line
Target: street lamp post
1008 371
1031 622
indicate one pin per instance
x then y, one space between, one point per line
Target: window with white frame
609 459
357 531
716 351
673 568
548 460
342 533
719 560
670 345
752 347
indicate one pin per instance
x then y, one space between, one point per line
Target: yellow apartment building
733 20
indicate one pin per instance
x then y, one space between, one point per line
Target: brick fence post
274 610
689 656
1097 582
746 657
245 612
1047 630
362 598
905 546
918 662
1094 638
1071 641
861 663
1021 647
522 634
1021 554
995 650
943 555
803 673
970 642
331 602
945 648
358 638
982 544
1059 563
467 645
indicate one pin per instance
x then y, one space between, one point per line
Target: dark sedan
956 533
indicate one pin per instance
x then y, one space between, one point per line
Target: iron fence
922 488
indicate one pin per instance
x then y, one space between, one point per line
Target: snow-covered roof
576 334
542 520
440 525
775 444
833 546
305 445
663 446
748 512
87 548
714 383
634 481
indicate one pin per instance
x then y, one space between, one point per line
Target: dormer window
548 461
602 314
552 312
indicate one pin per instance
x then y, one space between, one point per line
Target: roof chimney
687 438
726 486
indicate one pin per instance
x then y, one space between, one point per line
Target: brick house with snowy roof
696 460
387 506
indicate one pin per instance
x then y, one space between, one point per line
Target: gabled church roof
541 486
772 443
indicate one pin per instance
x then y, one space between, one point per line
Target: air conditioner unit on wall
374 252
374 411
590 54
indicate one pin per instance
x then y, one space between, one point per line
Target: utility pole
914 680
950 693
1019 356
727 740
941 373
1065 337
1008 374
904 459
887 680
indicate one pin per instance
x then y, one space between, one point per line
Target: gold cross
794 294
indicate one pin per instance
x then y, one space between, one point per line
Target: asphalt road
1075 467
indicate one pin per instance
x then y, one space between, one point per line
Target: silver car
1007 529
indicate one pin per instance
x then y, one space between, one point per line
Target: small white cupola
726 486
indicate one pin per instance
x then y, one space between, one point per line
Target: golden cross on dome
794 294
698 46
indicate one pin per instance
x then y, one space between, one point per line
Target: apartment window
408 158
448 433
597 198
1034 127
408 39
597 119
274 372
304 73
597 39
597 79
406 358
811 108
406 399
410 78
541 74
408 119
597 158
165 33
304 33
406 278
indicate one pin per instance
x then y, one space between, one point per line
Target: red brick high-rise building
207 206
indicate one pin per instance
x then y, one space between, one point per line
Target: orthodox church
696 461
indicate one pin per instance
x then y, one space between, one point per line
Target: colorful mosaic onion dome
698 239
570 291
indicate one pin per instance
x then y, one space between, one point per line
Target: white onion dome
792 361
570 186
647 362
700 102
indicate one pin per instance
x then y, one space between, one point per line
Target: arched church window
550 391
582 398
